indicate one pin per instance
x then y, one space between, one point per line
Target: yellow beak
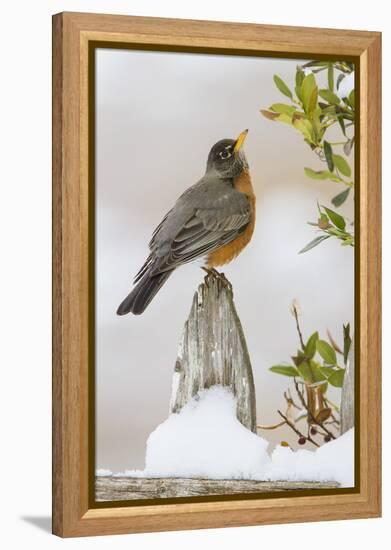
240 140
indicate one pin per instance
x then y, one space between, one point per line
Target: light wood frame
72 401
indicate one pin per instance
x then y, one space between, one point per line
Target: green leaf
299 77
328 153
330 76
298 115
342 164
326 371
316 175
322 64
328 109
285 370
309 93
326 352
314 243
298 92
282 108
310 347
340 198
313 101
305 127
283 117
347 148
317 375
336 378
342 125
316 125
321 175
329 96
347 342
339 79
299 358
335 218
347 240
269 114
323 222
352 98
282 86
306 372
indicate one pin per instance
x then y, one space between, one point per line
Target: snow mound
334 461
205 440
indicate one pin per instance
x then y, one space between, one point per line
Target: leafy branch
314 367
331 224
312 111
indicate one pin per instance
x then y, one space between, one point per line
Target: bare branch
298 432
271 427
310 415
296 316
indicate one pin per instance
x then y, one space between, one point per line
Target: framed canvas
246 394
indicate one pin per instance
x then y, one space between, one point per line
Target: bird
214 220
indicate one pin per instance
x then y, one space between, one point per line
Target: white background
25 293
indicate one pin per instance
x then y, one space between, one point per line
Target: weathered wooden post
213 351
347 397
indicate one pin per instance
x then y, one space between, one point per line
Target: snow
205 440
102 472
334 461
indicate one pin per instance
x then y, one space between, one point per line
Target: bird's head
227 156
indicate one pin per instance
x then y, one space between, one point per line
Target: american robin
214 219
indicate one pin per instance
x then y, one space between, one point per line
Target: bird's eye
225 154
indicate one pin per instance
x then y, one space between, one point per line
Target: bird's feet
212 273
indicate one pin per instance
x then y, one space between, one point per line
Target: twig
331 422
272 426
298 432
311 416
335 420
289 400
334 343
298 328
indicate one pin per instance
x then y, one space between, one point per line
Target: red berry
313 431
327 438
302 440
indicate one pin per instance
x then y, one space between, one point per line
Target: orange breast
229 251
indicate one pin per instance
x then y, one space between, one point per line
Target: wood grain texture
213 324
72 33
57 401
112 488
348 394
369 279
194 33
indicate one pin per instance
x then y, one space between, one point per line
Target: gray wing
205 217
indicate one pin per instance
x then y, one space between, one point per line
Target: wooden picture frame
75 35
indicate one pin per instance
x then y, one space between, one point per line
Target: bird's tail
142 294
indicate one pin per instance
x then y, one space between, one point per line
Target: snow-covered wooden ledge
211 429
113 488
